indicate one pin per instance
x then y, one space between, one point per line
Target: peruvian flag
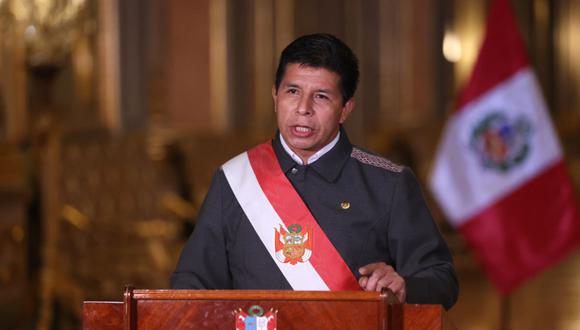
499 174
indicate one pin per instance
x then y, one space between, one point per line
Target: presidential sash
293 238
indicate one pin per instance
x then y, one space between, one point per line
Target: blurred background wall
114 115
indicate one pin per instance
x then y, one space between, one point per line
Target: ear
346 110
274 96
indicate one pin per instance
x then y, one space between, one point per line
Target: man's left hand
379 275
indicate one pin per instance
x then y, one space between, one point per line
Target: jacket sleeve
203 262
421 255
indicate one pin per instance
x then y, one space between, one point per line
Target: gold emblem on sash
293 246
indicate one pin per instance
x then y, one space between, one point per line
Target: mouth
301 131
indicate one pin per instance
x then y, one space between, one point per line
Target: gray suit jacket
387 221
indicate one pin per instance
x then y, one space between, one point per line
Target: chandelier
50 28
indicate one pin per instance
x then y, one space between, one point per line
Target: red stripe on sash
291 209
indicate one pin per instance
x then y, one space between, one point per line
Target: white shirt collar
314 157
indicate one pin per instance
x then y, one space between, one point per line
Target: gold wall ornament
75 217
50 28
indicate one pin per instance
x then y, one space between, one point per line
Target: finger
374 272
362 281
384 282
368 269
398 288
402 296
384 276
374 278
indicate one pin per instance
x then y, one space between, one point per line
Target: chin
299 143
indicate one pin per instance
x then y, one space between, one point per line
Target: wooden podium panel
103 315
214 309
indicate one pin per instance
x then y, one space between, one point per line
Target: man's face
309 108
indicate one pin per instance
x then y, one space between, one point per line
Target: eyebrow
294 85
290 85
327 91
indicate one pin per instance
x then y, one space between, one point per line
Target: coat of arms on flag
511 195
255 319
293 246
501 142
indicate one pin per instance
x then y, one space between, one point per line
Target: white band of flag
475 188
499 174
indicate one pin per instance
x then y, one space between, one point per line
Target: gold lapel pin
345 205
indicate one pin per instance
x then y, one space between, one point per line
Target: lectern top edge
147 294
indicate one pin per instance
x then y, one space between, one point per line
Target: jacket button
294 170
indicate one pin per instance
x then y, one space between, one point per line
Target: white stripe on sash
265 220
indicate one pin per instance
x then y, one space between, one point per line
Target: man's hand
379 275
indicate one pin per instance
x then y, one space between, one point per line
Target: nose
305 106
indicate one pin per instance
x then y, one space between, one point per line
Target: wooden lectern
214 309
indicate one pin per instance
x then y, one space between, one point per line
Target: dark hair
326 51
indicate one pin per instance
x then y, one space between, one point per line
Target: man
310 211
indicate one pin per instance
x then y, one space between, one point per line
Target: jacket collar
328 166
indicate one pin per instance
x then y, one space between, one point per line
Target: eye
321 97
292 91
